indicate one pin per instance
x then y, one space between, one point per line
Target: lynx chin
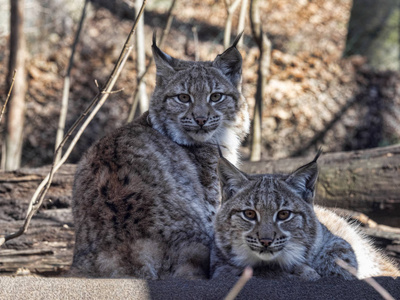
269 222
145 196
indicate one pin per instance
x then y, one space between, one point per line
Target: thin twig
164 34
65 95
230 9
8 95
141 61
96 104
196 43
246 275
242 20
372 282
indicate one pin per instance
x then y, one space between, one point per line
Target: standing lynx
144 197
270 223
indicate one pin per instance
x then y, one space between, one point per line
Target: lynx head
199 102
266 218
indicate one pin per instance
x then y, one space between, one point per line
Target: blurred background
332 79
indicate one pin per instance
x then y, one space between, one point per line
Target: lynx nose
201 120
266 242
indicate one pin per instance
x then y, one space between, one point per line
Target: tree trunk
242 20
366 181
12 149
264 45
67 81
374 32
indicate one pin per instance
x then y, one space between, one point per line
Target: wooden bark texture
46 248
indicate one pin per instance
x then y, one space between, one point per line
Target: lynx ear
304 179
230 178
164 63
230 63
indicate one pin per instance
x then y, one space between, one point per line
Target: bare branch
372 282
196 43
96 104
264 45
230 9
255 22
164 34
8 95
167 28
16 107
242 20
112 92
246 276
141 61
64 100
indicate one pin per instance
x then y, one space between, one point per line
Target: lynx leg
193 262
307 273
326 262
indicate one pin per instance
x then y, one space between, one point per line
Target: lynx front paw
307 273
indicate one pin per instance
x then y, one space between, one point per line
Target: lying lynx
144 197
269 222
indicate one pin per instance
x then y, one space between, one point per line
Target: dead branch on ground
246 276
372 282
94 107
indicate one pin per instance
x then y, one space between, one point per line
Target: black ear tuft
154 38
158 54
237 39
317 155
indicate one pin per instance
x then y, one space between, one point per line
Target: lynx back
145 196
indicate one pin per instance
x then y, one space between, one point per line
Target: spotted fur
371 261
282 233
144 197
289 236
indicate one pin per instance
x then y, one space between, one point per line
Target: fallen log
365 181
17 188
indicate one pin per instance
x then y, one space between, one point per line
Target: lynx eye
184 98
215 97
250 214
283 215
